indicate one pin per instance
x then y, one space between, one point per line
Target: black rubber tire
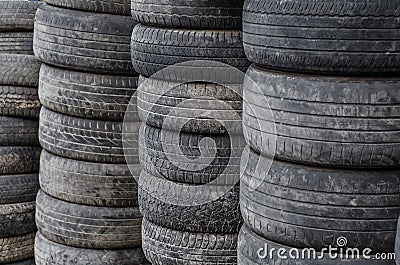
161 151
249 243
19 70
329 121
18 188
198 14
190 107
359 38
78 40
19 159
155 48
85 226
90 96
17 15
84 139
16 248
87 183
21 102
218 216
17 219
166 246
48 252
122 7
18 132
294 205
16 42
24 262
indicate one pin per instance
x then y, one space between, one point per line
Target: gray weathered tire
24 262
19 70
295 205
18 188
17 219
19 159
218 216
154 49
329 121
18 132
85 226
360 38
83 41
85 139
122 7
19 101
17 15
90 96
165 246
196 14
51 253
17 248
16 42
86 183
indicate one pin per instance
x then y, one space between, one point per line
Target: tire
190 158
17 219
84 139
294 205
93 184
88 226
282 35
17 15
24 262
18 132
16 248
83 41
19 70
195 14
48 252
90 96
16 42
191 107
156 48
19 102
18 188
19 159
359 127
165 246
250 243
218 216
122 7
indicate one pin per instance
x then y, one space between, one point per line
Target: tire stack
87 208
19 146
185 143
328 72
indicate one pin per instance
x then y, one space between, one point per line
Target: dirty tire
218 216
16 248
94 184
156 48
359 127
19 159
191 107
122 7
48 252
88 226
16 42
249 243
19 70
18 188
190 158
294 204
17 219
20 102
165 246
84 139
196 14
352 39
24 262
18 132
17 15
79 40
90 96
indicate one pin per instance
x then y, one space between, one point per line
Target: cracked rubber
88 226
90 96
325 37
18 132
83 41
122 7
17 15
166 246
17 219
19 70
19 159
16 42
305 206
197 14
18 188
17 248
20 102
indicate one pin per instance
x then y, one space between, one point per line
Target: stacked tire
322 100
87 208
19 147
191 139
